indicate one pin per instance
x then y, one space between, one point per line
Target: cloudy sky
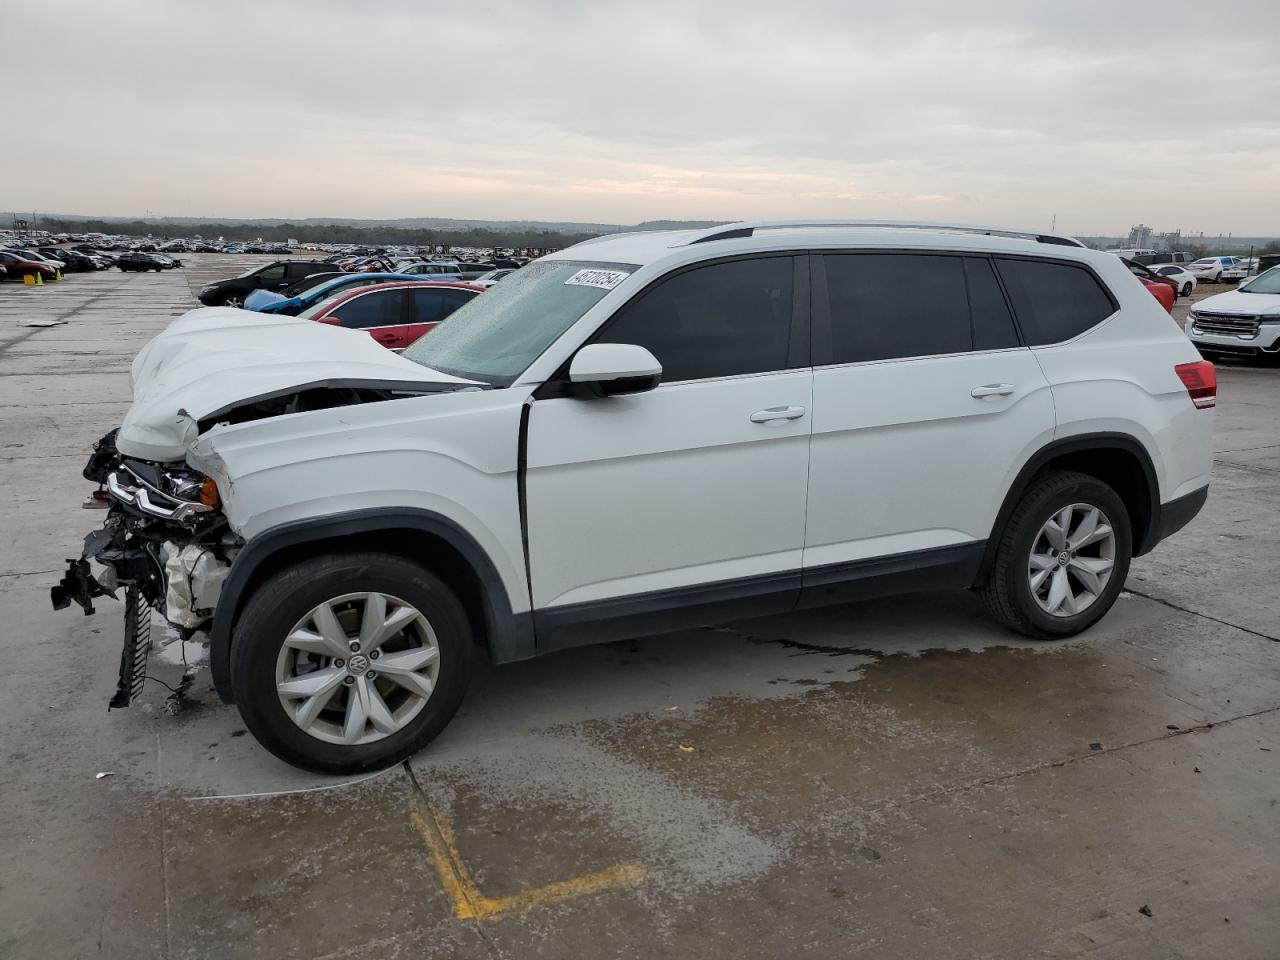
1104 113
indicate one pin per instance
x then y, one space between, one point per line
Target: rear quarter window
1054 301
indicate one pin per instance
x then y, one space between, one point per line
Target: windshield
1268 282
494 337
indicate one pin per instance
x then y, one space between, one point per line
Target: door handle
769 414
992 390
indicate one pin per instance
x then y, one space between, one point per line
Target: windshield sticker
604 279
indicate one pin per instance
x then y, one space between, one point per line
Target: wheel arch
1118 459
454 554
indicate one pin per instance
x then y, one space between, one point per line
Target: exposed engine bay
164 542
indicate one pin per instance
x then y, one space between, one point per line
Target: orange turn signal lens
209 492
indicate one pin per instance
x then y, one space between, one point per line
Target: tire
232 300
1217 277
1008 592
260 657
1186 290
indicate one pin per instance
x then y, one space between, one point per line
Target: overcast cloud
1106 114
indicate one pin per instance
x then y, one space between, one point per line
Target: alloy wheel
1072 558
357 668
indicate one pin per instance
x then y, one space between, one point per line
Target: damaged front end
164 542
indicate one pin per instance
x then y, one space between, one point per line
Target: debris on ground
684 749
40 323
105 773
1172 726
1095 745
1145 910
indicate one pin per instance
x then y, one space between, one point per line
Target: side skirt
663 611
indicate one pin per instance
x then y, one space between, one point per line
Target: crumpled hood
1236 302
214 359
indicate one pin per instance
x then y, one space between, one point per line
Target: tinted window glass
886 306
993 327
379 308
272 273
713 321
1054 301
432 306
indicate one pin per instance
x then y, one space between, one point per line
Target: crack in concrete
425 802
62 316
1069 761
1205 616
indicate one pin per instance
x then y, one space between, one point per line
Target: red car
19 266
1162 288
1162 292
394 314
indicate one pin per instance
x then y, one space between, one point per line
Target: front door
652 509
377 311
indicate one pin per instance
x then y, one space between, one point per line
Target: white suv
1244 322
641 433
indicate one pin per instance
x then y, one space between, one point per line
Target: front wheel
1062 558
350 662
1186 289
233 300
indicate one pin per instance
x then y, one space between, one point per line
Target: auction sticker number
604 279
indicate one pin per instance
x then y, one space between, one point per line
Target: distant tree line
321 233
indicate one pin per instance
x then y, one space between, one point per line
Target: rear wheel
1062 558
348 663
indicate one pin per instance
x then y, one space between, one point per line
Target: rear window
1054 301
896 306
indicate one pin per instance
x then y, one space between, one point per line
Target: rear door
693 493
925 405
379 312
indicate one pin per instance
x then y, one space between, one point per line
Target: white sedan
1179 274
1211 268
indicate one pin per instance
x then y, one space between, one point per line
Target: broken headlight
172 492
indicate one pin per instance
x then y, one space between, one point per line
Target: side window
713 321
378 308
993 327
272 273
1054 301
453 299
896 305
433 305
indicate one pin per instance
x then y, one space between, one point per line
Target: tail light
1201 381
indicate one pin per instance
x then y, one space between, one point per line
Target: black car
274 276
74 259
140 262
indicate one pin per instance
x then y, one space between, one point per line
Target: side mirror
612 369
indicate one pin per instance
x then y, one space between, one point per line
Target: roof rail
746 228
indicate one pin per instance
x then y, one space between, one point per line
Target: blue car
266 301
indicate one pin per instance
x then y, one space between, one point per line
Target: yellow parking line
470 904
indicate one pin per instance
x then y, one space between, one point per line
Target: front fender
510 634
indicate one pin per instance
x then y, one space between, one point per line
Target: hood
1234 301
214 359
261 299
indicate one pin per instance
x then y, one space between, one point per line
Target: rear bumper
1173 516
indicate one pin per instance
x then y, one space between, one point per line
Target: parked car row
393 308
